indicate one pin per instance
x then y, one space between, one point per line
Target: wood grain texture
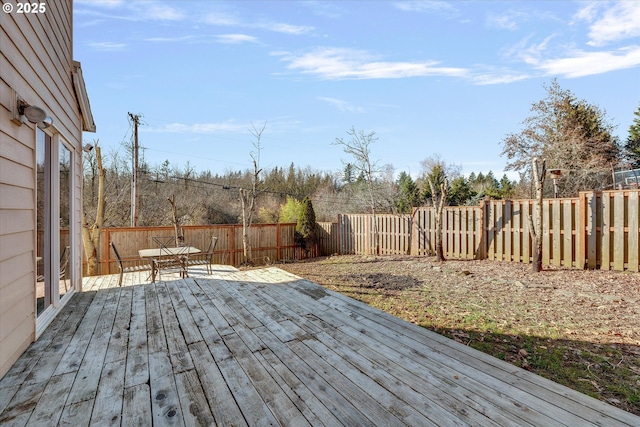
266 348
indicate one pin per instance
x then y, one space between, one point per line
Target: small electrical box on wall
16 100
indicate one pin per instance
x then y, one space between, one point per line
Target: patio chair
163 241
205 258
172 259
64 263
123 269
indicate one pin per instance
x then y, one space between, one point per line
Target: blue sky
450 78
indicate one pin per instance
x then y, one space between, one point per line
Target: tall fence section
593 230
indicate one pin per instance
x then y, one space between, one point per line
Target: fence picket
633 242
568 216
605 230
619 217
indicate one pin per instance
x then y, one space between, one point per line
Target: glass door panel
65 180
43 211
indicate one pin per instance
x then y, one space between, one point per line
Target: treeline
213 198
461 191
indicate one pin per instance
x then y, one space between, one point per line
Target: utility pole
134 182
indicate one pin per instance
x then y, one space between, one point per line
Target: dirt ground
579 328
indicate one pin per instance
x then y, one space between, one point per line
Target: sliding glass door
54 202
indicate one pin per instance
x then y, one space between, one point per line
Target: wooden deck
264 348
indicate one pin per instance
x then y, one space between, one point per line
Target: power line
205 184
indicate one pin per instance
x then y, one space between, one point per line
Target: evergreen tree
306 227
437 176
507 187
408 193
460 192
347 177
632 146
491 186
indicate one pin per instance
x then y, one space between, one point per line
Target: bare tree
91 233
573 135
539 173
359 146
439 197
175 220
436 173
248 196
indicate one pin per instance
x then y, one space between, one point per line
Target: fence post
581 247
367 235
482 247
340 251
232 245
413 236
634 220
587 230
278 242
107 249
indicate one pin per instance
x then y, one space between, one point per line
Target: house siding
36 60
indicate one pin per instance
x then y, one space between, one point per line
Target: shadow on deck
265 347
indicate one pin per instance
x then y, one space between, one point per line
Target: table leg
184 267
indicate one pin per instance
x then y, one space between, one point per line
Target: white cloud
424 6
587 13
502 22
275 125
161 12
342 105
170 39
102 3
278 27
107 46
515 19
529 53
622 21
339 63
221 38
581 63
284 28
149 10
499 77
199 128
558 60
324 8
236 38
221 19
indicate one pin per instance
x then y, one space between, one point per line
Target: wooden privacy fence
270 242
593 230
353 234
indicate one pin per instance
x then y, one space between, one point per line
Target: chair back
117 254
183 252
212 248
164 241
64 261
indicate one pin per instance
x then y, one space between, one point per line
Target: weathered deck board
264 347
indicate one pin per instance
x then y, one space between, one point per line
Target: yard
578 328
